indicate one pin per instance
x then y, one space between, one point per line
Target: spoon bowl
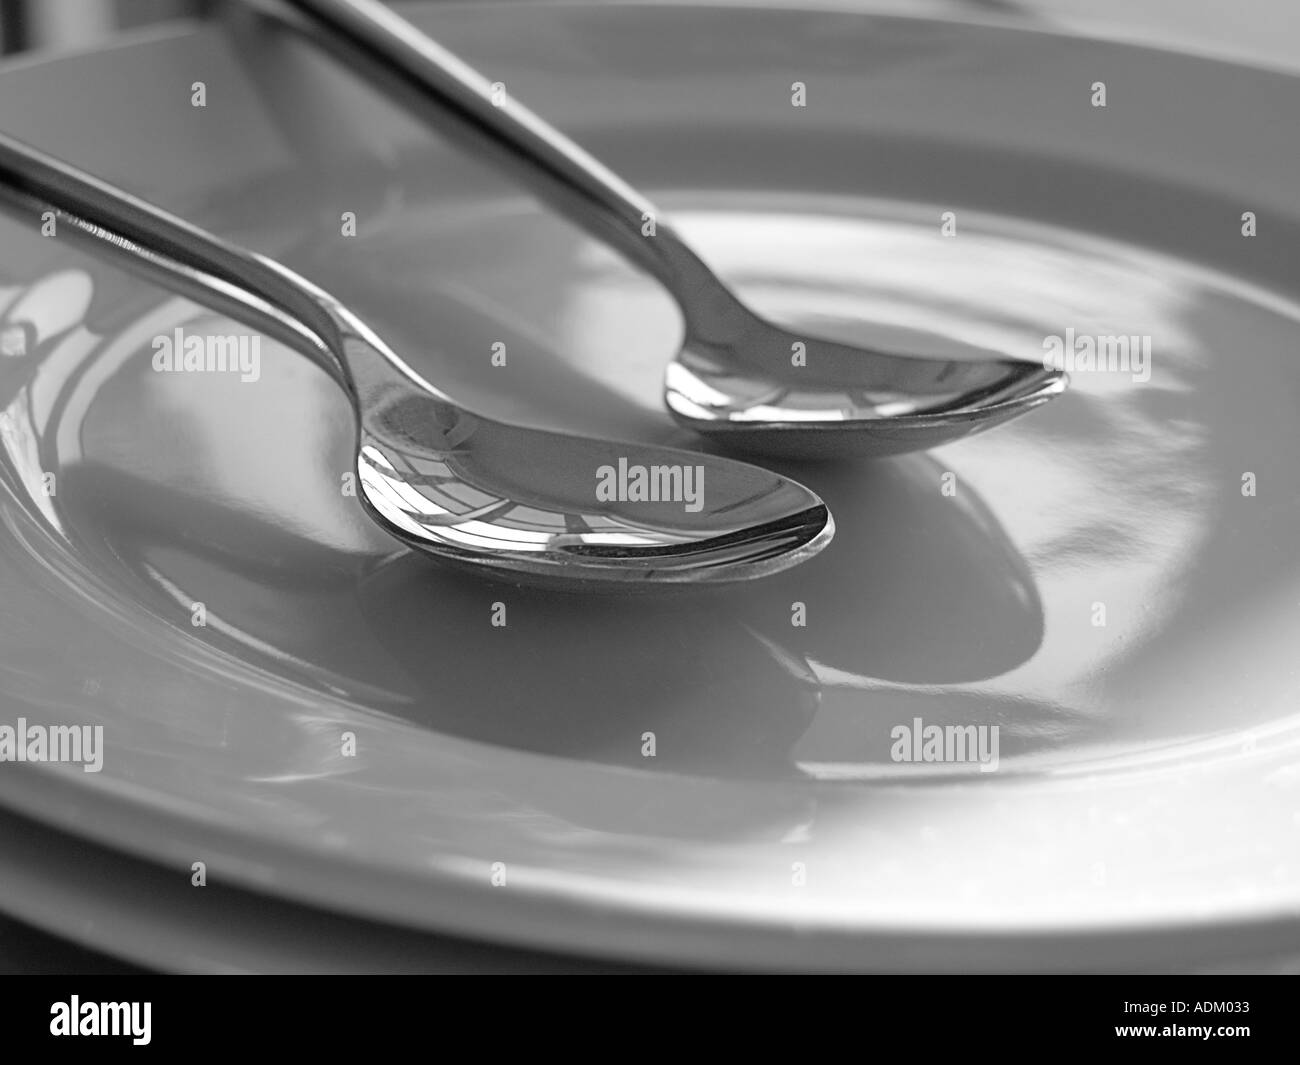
839 401
522 503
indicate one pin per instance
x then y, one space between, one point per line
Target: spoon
520 503
737 378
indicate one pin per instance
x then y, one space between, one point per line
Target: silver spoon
735 377
522 503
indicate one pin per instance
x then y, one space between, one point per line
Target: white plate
1145 805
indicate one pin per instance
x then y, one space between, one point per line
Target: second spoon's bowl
837 401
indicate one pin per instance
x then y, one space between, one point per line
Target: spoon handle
485 120
147 240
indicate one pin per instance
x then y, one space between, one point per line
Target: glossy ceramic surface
1146 789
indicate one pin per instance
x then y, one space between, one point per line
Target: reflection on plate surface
1093 579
